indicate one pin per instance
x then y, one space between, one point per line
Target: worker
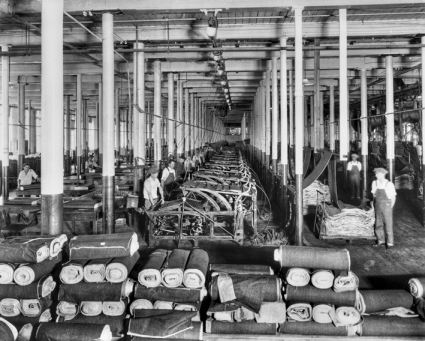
384 194
90 164
180 169
354 169
26 175
168 178
151 187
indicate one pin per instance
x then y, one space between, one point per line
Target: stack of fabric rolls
314 195
26 281
169 295
95 286
245 299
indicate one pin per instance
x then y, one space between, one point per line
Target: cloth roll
318 296
35 307
417 287
119 268
103 246
392 326
271 312
187 306
241 269
298 277
150 274
313 328
170 294
117 324
196 269
50 331
371 301
55 244
172 273
195 333
114 308
345 316
21 320
323 279
6 273
95 270
245 327
73 271
164 305
26 274
23 251
321 313
346 282
312 257
10 307
39 289
67 309
140 304
301 312
8 331
90 308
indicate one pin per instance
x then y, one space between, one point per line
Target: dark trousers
384 222
354 179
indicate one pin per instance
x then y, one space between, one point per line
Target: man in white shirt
26 175
354 169
168 178
384 194
151 187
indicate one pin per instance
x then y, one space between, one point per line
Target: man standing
168 178
384 194
354 169
151 187
26 175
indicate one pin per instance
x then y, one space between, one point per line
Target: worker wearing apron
354 168
168 178
385 195
151 187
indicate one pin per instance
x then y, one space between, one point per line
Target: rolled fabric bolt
372 301
114 308
90 308
163 305
39 289
10 307
312 258
140 304
116 323
119 268
312 294
345 316
50 331
245 327
73 271
150 274
67 309
250 269
346 283
224 316
95 270
8 331
323 279
196 269
170 294
172 274
21 320
417 287
271 312
35 307
298 277
299 312
25 332
314 328
243 314
187 306
26 274
103 246
23 251
54 243
321 313
6 273
392 326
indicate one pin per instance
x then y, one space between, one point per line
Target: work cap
153 170
355 156
380 170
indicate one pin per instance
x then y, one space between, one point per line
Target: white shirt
26 179
166 172
151 186
354 163
388 186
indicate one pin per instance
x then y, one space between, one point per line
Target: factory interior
229 170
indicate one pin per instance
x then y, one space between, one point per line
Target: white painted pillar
101 115
52 117
187 121
291 109
275 114
364 130
79 130
283 112
157 111
423 119
117 125
343 87
332 118
390 117
21 127
180 118
170 134
268 113
5 67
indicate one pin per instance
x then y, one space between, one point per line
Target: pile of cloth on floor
314 195
26 282
349 221
405 181
96 287
245 299
169 296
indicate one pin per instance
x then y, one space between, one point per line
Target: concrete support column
14 113
186 120
191 121
52 117
180 119
170 134
21 127
100 116
332 118
291 109
364 131
423 119
268 113
5 67
283 113
117 125
157 111
108 124
85 125
263 121
96 129
79 131
139 118
275 114
141 101
32 134
315 120
67 134
299 126
343 89
390 117
321 122
243 127
309 123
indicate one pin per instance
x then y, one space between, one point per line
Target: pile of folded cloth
95 285
314 195
405 181
352 221
169 295
245 299
26 281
